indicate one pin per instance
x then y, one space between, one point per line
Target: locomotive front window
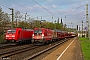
11 31
37 31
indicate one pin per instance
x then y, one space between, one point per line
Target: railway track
34 51
45 50
4 46
16 51
10 45
11 53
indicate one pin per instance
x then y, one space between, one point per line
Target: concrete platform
71 50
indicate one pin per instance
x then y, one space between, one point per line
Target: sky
72 12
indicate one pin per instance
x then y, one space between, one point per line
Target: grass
85 44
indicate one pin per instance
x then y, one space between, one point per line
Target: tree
50 25
4 20
23 24
36 24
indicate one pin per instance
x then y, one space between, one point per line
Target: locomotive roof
19 28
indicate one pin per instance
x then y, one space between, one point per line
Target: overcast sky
71 11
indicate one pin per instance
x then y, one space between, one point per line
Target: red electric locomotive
18 35
42 35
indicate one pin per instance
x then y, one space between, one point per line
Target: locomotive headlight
13 35
7 35
42 36
33 35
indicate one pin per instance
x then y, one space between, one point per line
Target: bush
2 38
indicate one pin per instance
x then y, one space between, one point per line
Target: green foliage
24 24
58 26
39 24
50 25
4 20
85 44
2 38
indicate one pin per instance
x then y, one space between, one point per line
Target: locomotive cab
41 35
38 35
10 35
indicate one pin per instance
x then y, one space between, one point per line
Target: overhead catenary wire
13 9
4 6
77 8
44 8
47 9
53 8
36 12
20 11
25 8
64 12
9 8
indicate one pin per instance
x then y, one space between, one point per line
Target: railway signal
12 16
